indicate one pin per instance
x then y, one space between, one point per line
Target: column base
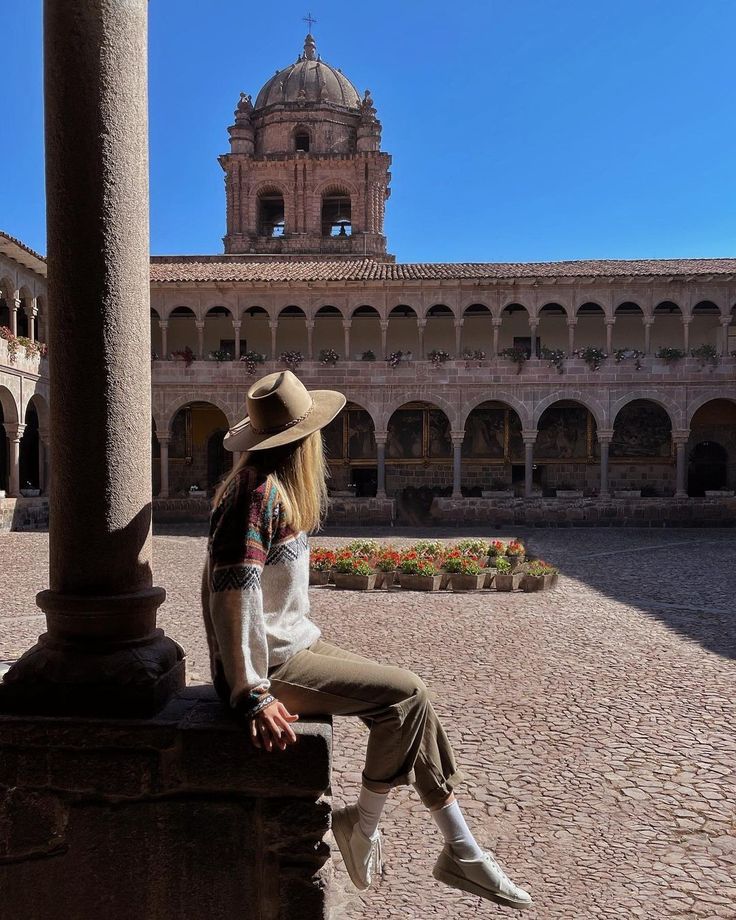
681 495
132 679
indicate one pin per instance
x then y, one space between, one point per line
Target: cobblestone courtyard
595 723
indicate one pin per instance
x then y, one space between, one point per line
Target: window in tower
271 215
301 142
336 216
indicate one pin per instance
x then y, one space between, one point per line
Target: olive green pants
406 743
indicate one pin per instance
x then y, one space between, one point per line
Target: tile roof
18 250
170 269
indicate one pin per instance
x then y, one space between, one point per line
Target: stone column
236 332
604 442
163 443
164 325
14 433
102 653
725 323
310 340
273 326
199 323
496 333
457 444
686 333
680 439
648 323
381 461
571 323
384 335
15 305
533 326
346 324
609 335
32 314
421 325
458 337
529 437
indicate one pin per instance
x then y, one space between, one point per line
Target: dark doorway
366 481
28 460
708 468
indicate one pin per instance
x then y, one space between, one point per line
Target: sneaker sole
464 884
341 831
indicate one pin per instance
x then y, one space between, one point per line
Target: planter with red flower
321 562
353 573
539 576
465 571
506 579
418 573
386 561
515 553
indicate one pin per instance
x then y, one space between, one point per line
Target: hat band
285 427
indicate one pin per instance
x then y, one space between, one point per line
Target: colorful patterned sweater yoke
255 590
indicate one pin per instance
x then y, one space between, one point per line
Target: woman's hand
272 725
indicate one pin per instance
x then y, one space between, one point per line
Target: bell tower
306 175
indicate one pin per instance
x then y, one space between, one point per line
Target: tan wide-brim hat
281 410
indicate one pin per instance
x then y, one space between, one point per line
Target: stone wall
591 512
361 511
173 817
24 514
184 510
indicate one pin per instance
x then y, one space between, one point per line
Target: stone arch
336 209
477 328
328 331
590 319
365 331
474 302
408 396
439 329
674 411
7 287
628 329
502 397
703 400
165 416
195 437
552 330
40 403
403 329
350 446
593 406
301 136
291 330
167 312
11 411
270 216
516 319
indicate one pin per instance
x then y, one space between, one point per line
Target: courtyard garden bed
472 564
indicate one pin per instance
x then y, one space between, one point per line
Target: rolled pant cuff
434 797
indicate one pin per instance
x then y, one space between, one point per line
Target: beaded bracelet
253 710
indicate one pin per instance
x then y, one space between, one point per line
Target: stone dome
309 81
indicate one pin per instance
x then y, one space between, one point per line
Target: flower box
719 493
627 493
516 562
568 493
420 582
349 582
531 583
385 579
489 574
319 576
461 582
497 493
507 582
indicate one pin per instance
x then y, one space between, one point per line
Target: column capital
310 324
457 323
680 436
572 322
163 324
347 323
686 320
15 304
14 430
273 324
647 320
199 323
421 322
609 321
529 435
237 323
383 323
726 320
496 321
457 437
605 435
163 438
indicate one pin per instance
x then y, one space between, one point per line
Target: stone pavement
595 723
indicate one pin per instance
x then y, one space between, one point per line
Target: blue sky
520 130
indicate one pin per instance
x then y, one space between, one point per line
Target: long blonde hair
299 472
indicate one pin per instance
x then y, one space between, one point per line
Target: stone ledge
24 514
177 816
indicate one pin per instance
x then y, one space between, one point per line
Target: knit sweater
255 600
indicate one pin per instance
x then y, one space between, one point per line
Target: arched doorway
492 450
350 447
708 468
641 452
196 456
29 455
566 449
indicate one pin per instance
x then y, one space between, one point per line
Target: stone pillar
609 335
533 326
686 333
680 438
15 305
14 433
236 332
310 340
32 314
529 437
381 461
458 337
346 324
163 443
571 324
648 323
102 653
421 325
199 323
273 326
384 335
604 442
496 333
457 444
164 325
725 323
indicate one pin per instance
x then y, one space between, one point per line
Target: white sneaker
363 855
483 877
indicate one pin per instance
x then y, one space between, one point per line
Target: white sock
456 832
370 806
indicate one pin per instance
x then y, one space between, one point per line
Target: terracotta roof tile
170 269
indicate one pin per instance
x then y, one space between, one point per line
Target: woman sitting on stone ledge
269 661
